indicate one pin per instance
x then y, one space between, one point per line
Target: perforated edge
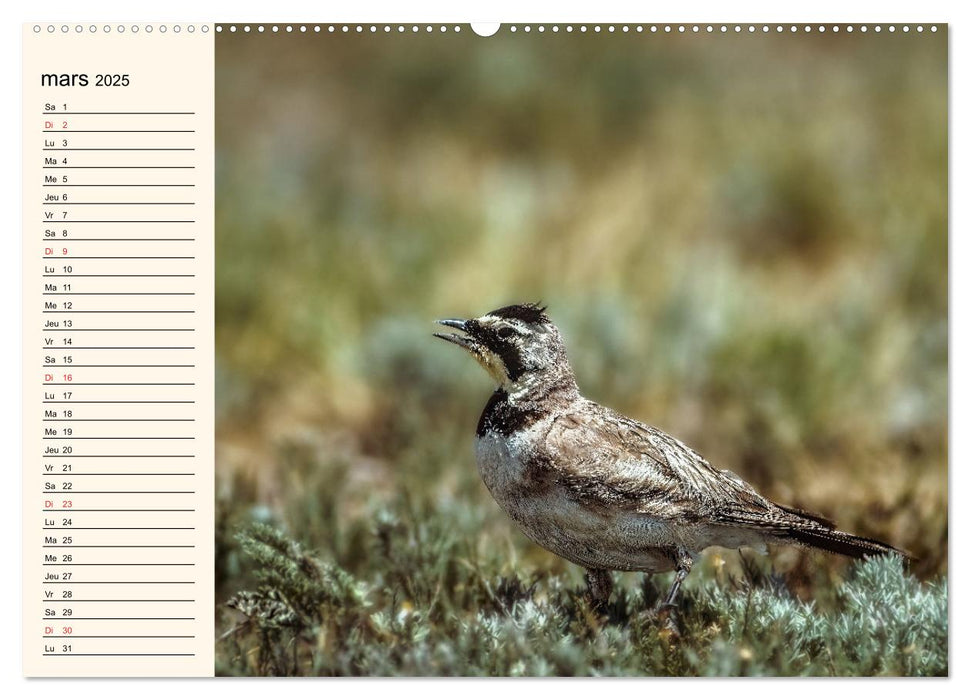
422 29
171 29
341 28
581 28
726 28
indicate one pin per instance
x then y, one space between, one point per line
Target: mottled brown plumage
600 489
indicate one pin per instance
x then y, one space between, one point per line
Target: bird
603 490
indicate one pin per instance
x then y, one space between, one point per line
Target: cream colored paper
118 350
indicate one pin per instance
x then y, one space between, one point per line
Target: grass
427 609
343 573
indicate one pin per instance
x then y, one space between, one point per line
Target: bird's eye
505 332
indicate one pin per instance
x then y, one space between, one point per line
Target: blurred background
743 239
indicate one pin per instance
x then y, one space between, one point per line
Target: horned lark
600 489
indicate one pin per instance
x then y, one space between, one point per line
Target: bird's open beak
460 340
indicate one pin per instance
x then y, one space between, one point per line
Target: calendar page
703 266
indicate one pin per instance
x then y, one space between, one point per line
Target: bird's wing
615 461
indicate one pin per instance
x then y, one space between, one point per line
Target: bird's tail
840 542
821 532
809 529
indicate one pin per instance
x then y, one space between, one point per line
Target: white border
522 11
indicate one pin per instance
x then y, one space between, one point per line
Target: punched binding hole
485 28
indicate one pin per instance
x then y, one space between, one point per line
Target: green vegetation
744 242
430 610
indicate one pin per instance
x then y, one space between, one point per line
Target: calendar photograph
581 350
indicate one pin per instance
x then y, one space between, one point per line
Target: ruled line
119 546
116 366
116 221
120 583
119 257
119 167
64 148
72 238
118 636
72 653
126 113
119 294
121 184
118 131
140 275
116 311
119 384
78 401
108 204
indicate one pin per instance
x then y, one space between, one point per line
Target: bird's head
517 345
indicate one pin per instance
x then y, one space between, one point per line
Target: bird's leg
599 586
683 562
682 566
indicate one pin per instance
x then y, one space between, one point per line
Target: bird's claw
666 615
